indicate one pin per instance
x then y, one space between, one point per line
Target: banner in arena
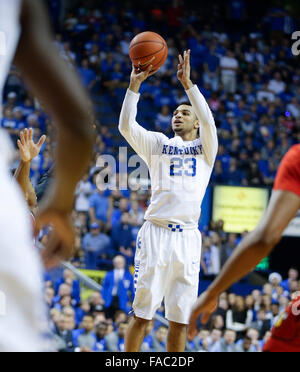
294 227
241 208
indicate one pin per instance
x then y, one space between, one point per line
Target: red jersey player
286 332
283 207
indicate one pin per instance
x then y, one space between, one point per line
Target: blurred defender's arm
258 244
62 95
58 88
282 208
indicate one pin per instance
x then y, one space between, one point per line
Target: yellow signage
241 208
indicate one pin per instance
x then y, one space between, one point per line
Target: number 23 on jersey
177 167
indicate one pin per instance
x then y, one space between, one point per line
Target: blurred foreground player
283 207
25 34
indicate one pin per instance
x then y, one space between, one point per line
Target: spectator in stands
293 276
229 68
96 245
54 318
63 338
276 85
63 291
163 120
95 301
228 248
147 344
86 338
201 341
118 290
83 191
262 324
159 340
275 310
245 346
238 318
115 340
67 54
211 69
87 75
225 344
49 296
101 330
253 334
99 206
120 317
123 238
69 279
210 258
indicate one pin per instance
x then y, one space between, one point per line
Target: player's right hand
142 72
205 306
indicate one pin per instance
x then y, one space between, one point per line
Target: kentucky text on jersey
171 150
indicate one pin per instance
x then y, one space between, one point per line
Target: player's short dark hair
185 103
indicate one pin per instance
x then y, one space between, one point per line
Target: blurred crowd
99 322
243 64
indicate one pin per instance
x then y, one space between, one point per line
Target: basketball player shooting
283 207
167 260
27 39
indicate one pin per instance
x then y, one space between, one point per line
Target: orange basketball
147 45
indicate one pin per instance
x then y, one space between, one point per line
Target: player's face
184 120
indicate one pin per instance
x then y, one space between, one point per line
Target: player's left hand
184 68
205 306
28 149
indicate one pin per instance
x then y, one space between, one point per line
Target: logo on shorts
2 304
139 243
2 43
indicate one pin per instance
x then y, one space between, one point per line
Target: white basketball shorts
22 316
167 266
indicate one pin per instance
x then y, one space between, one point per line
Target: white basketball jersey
10 30
180 171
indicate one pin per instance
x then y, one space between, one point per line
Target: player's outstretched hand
61 241
205 306
28 149
184 69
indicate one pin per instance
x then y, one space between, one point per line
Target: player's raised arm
208 131
28 151
140 139
258 244
60 91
